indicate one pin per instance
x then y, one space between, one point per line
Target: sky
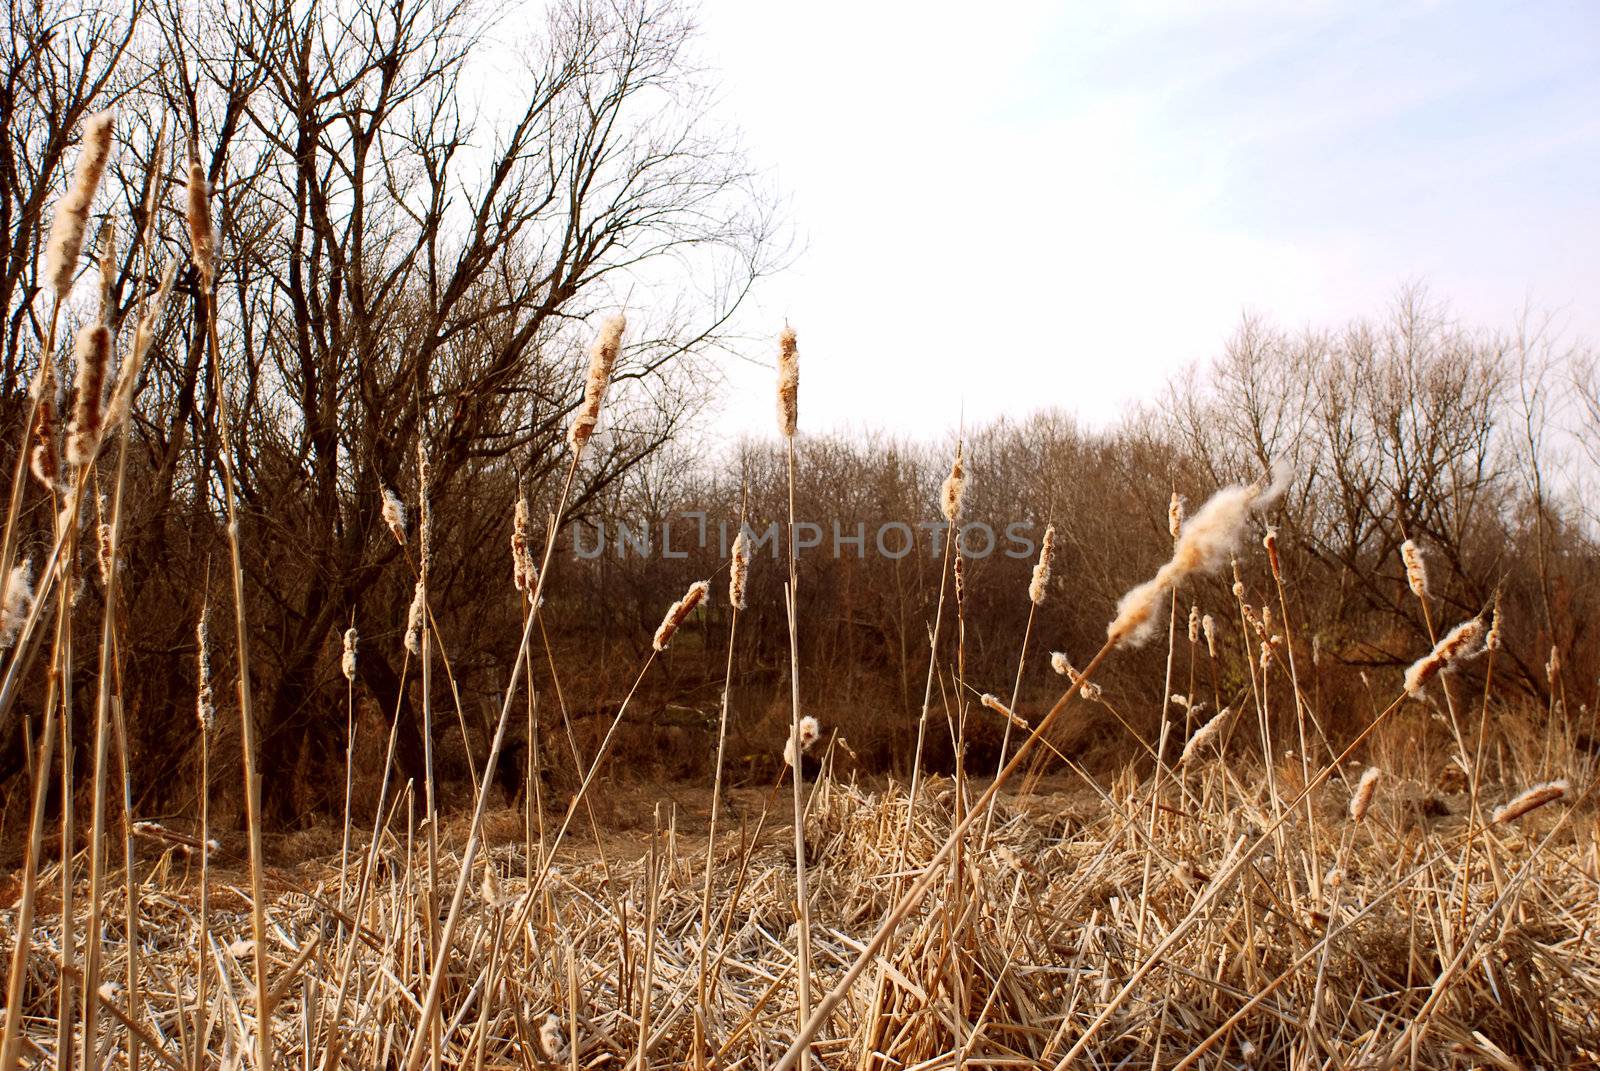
1007 206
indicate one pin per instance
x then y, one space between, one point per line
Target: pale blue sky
1016 204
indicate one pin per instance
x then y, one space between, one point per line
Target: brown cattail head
1531 799
959 570
424 506
394 515
108 270
1194 625
679 611
43 461
202 234
602 359
1204 544
788 383
347 661
107 551
738 570
953 488
65 244
416 618
1039 587
1361 799
1552 666
1175 515
1416 568
89 402
1492 640
994 703
1209 627
1270 542
16 601
205 707
1459 644
491 891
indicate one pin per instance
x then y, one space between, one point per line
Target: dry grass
1019 950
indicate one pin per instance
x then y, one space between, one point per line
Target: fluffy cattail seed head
1531 799
953 489
492 893
1552 666
205 707
347 661
1459 644
1416 568
1209 627
994 703
1361 800
1039 587
1205 735
1492 640
1270 542
394 515
553 1040
65 243
1175 515
42 459
809 732
788 383
602 359
89 404
738 570
416 617
202 235
1194 625
679 611
1204 543
524 573
959 568
16 600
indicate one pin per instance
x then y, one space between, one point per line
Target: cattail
424 507
1270 541
524 574
108 269
960 569
1552 667
553 1040
1209 627
205 707
602 358
1416 568
1205 734
202 236
1266 656
1361 800
1530 800
347 661
492 893
89 405
953 489
993 702
1459 644
788 383
738 570
143 336
16 600
1039 587
1238 581
1205 542
105 550
1059 663
1178 699
1492 640
394 515
1316 652
1334 877
1194 625
1175 515
679 611
810 732
415 618
65 244
42 458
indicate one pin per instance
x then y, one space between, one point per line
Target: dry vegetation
1257 865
